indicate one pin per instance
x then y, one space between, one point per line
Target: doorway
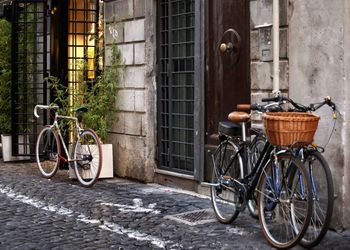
50 39
227 71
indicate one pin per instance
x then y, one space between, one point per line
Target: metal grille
193 218
30 66
176 85
82 45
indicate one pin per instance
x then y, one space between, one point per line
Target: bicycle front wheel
228 165
255 148
47 152
284 201
87 158
323 198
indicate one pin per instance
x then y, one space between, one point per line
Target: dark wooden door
227 75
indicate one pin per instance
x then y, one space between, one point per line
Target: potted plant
5 93
99 96
5 88
5 77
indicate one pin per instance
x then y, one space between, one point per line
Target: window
176 85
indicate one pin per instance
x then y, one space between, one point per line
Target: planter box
107 163
6 141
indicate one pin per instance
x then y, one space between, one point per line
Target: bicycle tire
224 201
87 158
284 210
47 152
323 198
255 149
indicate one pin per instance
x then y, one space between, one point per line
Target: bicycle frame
268 153
57 129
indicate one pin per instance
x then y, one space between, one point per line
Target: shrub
5 76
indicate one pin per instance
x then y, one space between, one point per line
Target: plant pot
107 163
6 141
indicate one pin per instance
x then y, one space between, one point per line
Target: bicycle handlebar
299 107
43 107
275 106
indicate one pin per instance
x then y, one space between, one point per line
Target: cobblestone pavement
37 213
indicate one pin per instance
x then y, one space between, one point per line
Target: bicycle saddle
238 116
81 109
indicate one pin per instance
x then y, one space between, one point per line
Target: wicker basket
288 128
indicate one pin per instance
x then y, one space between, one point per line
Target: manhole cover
193 218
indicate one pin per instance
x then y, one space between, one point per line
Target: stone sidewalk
37 213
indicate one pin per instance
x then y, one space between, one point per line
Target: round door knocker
230 47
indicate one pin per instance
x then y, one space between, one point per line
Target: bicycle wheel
256 148
284 201
47 152
87 158
323 198
224 198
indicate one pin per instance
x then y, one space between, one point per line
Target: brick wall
126 22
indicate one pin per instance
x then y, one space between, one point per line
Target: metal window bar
30 66
82 45
176 85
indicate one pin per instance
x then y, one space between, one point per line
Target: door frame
199 90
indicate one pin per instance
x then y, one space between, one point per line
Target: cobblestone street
36 213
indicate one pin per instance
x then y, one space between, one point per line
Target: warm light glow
81 48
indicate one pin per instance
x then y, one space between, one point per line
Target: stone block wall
319 66
261 52
131 27
314 63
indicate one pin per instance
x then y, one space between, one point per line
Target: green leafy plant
101 98
5 76
98 96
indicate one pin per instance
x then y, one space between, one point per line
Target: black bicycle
278 181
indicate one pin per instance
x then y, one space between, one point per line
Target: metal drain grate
193 218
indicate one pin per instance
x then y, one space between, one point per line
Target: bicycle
86 156
256 144
320 175
284 197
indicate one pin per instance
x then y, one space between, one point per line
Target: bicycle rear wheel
284 201
224 198
87 158
47 152
323 198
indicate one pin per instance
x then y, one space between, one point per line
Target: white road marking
136 208
109 226
237 231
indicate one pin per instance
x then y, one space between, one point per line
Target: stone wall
315 62
318 69
346 125
261 38
130 24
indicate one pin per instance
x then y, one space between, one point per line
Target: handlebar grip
35 112
255 106
272 99
243 107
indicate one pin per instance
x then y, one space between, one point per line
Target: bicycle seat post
244 138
